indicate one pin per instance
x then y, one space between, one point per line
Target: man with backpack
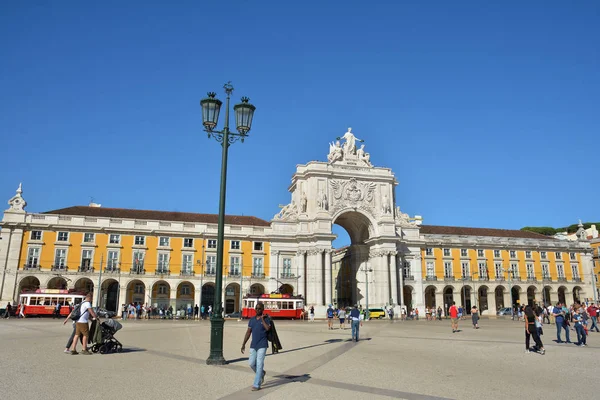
258 327
330 317
81 314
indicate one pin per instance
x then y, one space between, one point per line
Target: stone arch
257 289
84 285
232 298
286 289
448 298
482 298
408 298
208 294
562 294
358 224
28 283
161 294
465 298
109 297
515 295
546 294
531 293
430 296
577 294
185 296
136 292
58 282
499 297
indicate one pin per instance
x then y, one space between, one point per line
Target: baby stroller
104 337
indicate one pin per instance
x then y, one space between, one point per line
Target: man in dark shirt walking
257 327
355 316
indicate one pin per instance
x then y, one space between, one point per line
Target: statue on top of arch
348 151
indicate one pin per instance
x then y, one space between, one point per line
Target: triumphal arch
348 190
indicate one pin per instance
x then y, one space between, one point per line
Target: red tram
43 301
276 305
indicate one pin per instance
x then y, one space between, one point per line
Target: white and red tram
276 305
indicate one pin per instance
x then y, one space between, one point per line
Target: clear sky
488 114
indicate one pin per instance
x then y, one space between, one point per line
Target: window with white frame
483 273
186 263
465 270
114 239
185 290
60 258
235 245
287 267
211 262
163 289
86 259
140 240
430 269
514 270
513 254
188 243
139 288
480 253
558 255
448 272
530 272
498 270
138 261
163 241
545 271
63 237
560 270
163 263
446 252
572 256
258 246
464 252
112 261
496 253
212 243
35 235
527 253
88 238
257 265
575 270
543 255
428 251
234 265
406 270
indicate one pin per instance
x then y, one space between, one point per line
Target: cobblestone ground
408 360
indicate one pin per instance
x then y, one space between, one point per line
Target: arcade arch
57 282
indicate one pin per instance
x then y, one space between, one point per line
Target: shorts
82 329
454 320
342 320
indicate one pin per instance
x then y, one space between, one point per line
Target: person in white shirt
81 327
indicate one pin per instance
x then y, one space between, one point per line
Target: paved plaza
408 360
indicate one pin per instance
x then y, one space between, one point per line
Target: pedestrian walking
342 317
258 327
330 317
312 314
531 330
592 311
196 310
579 327
355 316
454 315
439 313
7 311
82 328
475 317
561 322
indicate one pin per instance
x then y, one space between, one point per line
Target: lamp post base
216 341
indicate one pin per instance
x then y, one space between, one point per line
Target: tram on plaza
276 305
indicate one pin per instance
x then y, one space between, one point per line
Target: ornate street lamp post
244 112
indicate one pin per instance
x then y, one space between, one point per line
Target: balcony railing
561 279
186 273
32 267
500 279
234 274
466 278
285 275
162 271
258 275
577 279
112 270
484 278
210 272
449 279
532 279
138 271
58 268
546 279
85 269
409 278
431 278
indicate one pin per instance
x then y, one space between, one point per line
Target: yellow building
595 244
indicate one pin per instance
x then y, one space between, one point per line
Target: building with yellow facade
168 258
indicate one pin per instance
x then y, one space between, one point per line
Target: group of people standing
19 312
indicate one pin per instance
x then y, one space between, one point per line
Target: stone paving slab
414 360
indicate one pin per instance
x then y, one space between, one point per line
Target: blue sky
487 113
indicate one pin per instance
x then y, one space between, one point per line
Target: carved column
507 299
393 271
319 295
301 289
401 279
328 299
491 302
439 298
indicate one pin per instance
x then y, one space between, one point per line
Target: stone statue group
348 150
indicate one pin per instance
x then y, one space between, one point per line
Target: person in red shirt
592 311
453 311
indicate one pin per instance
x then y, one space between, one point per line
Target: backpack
76 313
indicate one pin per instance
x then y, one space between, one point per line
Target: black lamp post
244 112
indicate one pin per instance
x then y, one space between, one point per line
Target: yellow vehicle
377 313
